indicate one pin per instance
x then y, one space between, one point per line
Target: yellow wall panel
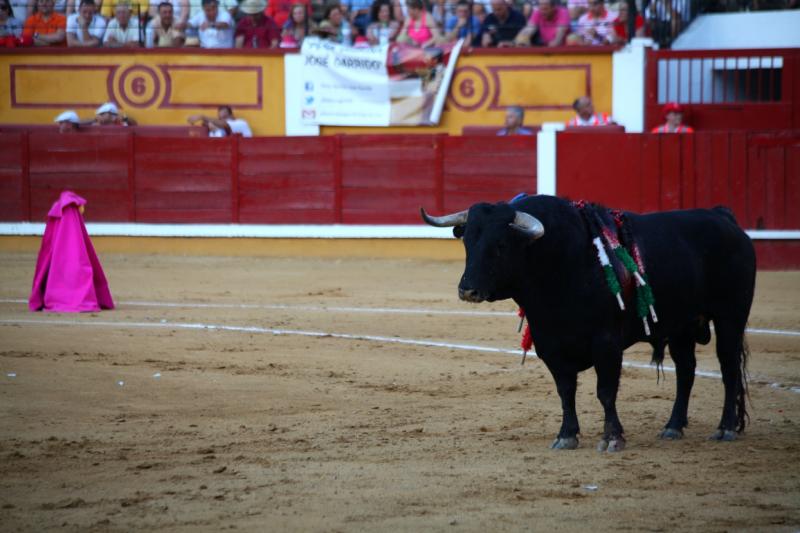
163 88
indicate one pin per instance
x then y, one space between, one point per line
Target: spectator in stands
139 9
10 27
335 27
586 116
296 28
479 11
501 27
383 29
65 7
256 30
419 28
463 24
85 28
620 28
515 116
548 26
673 113
576 9
225 124
359 14
214 26
68 122
108 115
161 30
318 8
594 26
441 10
45 27
123 29
180 13
281 10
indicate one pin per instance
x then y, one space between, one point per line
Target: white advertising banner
389 85
344 86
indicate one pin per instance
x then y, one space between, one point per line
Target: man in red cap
673 112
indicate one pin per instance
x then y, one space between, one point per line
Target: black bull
700 265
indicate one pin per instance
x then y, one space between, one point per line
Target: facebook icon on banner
309 86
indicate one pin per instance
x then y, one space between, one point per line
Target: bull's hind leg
732 356
681 350
608 367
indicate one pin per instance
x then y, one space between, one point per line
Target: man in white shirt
595 26
85 28
214 26
122 30
225 124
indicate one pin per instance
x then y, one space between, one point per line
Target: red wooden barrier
284 180
384 179
725 89
182 179
487 169
94 166
14 203
758 180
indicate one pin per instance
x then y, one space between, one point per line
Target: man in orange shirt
585 115
45 27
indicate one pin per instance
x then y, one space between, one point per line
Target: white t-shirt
212 37
131 35
97 27
602 26
237 125
196 6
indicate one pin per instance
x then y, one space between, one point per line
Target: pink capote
68 278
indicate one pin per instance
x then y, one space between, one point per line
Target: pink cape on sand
68 278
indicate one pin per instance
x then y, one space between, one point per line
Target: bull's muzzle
470 295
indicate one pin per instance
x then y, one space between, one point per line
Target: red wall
350 179
755 174
378 179
742 107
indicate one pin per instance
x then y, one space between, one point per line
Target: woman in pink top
419 28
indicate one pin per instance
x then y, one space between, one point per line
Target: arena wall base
433 249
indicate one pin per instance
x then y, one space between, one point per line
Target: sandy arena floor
142 419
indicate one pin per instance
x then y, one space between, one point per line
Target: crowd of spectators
285 23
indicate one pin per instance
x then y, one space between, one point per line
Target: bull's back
698 258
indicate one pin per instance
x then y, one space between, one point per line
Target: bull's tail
743 394
658 357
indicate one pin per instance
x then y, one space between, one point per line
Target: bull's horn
445 221
528 224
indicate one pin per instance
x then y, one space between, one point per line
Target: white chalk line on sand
366 310
324 334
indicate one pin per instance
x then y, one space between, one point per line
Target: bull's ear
458 231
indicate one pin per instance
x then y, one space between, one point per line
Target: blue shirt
520 131
465 30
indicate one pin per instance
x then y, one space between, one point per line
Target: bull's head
495 238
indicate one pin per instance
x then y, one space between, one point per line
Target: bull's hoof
568 443
671 434
611 445
725 435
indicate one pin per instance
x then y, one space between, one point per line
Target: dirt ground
141 418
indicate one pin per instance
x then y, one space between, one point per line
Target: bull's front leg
609 368
567 385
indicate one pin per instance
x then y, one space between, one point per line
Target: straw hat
251 7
